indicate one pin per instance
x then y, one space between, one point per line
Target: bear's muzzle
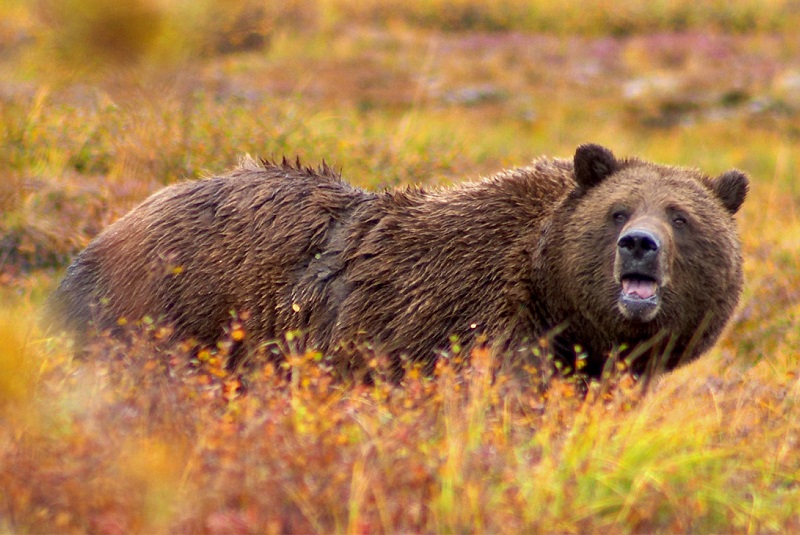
639 271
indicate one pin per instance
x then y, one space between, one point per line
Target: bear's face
643 248
672 234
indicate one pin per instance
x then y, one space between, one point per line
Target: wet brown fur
507 258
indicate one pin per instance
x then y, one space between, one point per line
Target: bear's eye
679 221
619 217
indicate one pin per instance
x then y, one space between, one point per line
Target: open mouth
639 287
639 297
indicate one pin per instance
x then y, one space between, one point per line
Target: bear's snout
640 272
639 248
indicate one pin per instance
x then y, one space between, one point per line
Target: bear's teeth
641 288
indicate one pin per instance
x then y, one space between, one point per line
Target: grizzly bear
592 258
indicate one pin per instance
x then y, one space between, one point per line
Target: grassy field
101 106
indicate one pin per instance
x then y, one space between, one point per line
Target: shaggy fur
505 260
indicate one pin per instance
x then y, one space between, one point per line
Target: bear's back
194 251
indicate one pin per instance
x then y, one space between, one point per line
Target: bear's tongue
641 288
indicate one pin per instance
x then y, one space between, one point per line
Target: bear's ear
593 163
731 188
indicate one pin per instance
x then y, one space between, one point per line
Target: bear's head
640 250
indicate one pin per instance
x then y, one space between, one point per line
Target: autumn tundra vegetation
104 104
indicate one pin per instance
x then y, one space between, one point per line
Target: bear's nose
640 244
